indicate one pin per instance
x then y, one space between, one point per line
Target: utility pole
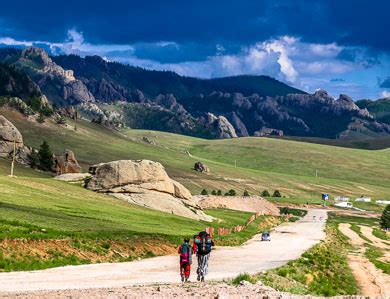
235 163
316 174
13 159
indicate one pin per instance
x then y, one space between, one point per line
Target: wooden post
13 159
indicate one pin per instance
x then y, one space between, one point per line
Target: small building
344 204
341 198
363 199
383 202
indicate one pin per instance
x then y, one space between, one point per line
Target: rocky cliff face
53 79
144 183
215 108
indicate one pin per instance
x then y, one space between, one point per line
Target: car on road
265 236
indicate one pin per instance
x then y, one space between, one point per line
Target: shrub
219 193
60 120
204 192
276 194
385 218
244 276
213 192
265 193
231 192
246 193
45 156
41 118
284 210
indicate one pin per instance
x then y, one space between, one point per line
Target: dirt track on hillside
372 281
289 241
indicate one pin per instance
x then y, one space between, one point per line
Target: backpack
184 254
203 243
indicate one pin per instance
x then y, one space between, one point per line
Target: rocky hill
118 95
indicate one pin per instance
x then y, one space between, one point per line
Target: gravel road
289 241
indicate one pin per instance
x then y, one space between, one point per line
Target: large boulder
66 163
8 135
144 183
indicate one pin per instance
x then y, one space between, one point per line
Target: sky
341 46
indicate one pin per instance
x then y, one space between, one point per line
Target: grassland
46 223
254 164
36 208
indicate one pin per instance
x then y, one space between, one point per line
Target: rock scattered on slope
66 163
201 167
147 184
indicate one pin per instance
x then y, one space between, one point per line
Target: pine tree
204 192
213 192
276 194
265 193
246 193
231 192
219 193
385 218
34 159
45 156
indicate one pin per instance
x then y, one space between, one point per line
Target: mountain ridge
120 95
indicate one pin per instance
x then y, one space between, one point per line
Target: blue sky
341 46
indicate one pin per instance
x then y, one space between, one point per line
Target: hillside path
372 281
289 241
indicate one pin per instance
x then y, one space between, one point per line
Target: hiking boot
198 278
186 280
182 279
202 279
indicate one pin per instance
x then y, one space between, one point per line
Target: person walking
202 247
185 251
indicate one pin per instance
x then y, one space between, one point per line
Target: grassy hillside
46 223
254 164
360 142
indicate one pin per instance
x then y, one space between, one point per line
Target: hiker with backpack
202 247
185 252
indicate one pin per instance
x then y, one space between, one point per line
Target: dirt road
289 241
372 281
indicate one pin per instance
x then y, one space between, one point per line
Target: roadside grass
374 254
244 277
357 230
381 234
322 270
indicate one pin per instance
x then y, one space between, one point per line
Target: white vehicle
344 204
341 198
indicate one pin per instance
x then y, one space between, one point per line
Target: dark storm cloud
352 22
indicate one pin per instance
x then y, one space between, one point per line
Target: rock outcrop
8 135
66 163
144 183
222 126
53 79
201 167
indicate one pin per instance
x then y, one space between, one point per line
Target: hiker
185 251
202 247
